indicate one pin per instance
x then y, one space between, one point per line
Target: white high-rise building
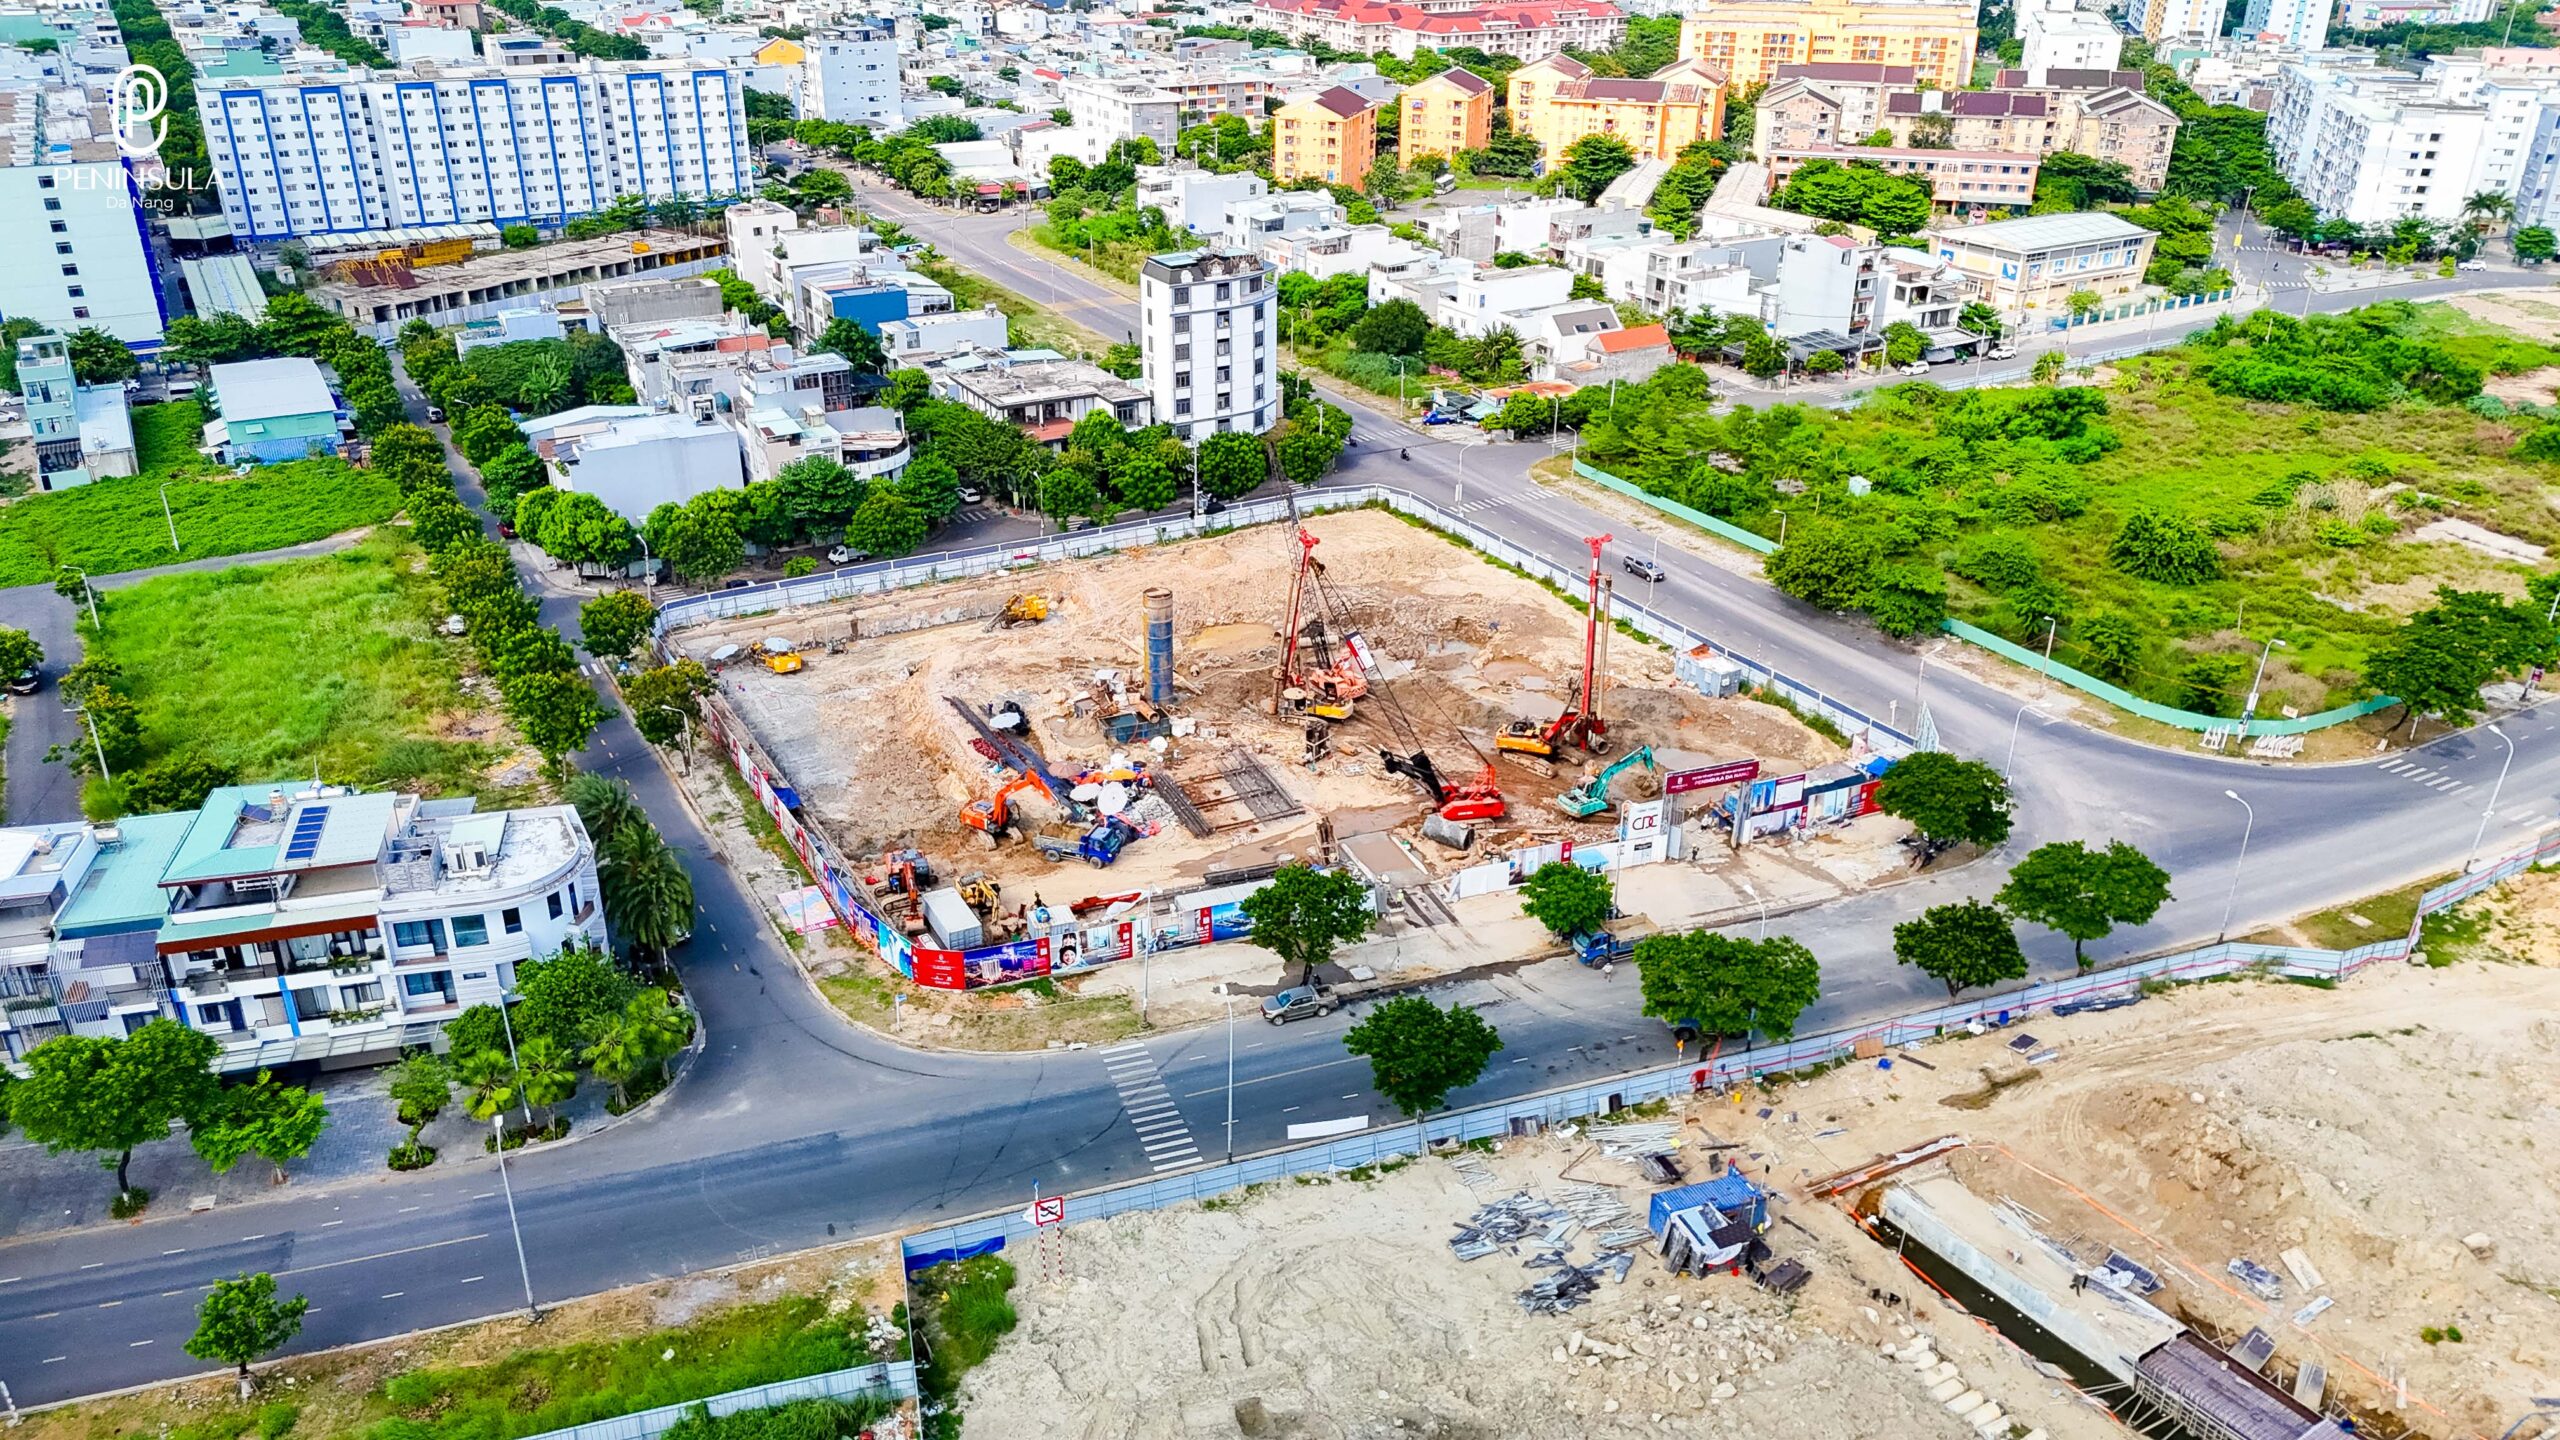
1209 341
71 249
1106 112
304 155
2374 146
851 75
2296 24
2169 21
2059 37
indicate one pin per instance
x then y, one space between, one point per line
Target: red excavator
991 818
1324 689
1580 725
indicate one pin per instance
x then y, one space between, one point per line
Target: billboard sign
1730 772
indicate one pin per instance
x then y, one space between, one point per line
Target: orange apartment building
1450 112
1330 136
1749 39
1557 101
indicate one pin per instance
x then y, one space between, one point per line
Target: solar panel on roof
306 833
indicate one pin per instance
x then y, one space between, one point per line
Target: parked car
27 681
435 414
1916 367
846 555
506 529
971 494
2004 351
1212 505
1298 1002
1642 568
2472 265
737 585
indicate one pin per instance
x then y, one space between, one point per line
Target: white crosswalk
2419 774
1149 1106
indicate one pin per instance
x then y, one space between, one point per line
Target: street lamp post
174 547
1782 527
1762 933
2250 707
2009 767
508 1027
498 1127
684 735
2492 807
1231 1079
2234 894
96 744
88 592
648 566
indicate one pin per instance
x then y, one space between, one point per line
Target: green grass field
117 525
524 1393
274 670
166 437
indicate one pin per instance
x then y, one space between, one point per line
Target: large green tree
1946 799
1591 162
1961 945
817 492
1724 985
582 530
613 624
1303 915
568 996
887 526
277 1123
1232 465
111 1094
2085 893
666 699
1419 1052
1568 899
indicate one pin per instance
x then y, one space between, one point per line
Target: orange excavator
1324 689
993 817
1580 725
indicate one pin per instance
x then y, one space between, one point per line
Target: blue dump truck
1600 947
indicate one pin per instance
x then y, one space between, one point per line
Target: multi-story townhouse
1557 101
294 922
1443 115
849 74
1331 136
1526 28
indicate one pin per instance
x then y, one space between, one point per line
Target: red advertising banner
1731 772
941 969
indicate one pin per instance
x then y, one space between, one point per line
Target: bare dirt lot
868 736
1338 1309
2376 1128
2532 311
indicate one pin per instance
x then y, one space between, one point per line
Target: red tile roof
1467 81
1343 101
1642 337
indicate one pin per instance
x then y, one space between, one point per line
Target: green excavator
1591 797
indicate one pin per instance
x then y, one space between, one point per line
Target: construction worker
1608 969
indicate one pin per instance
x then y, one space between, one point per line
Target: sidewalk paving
41 1191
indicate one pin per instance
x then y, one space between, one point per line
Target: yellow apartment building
1749 39
1330 136
1450 112
1557 101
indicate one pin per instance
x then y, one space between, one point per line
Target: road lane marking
12 1280
486 1195
473 1279
245 1239
109 1304
394 1295
384 1255
325 1224
94 1264
1277 1075
405 1209
55 1359
138 1344
179 1251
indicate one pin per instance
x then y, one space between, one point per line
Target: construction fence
2121 985
896 1380
2115 695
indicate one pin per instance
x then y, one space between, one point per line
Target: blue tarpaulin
927 1259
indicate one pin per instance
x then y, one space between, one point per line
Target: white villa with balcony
302 924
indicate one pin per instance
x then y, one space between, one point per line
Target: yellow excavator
1020 610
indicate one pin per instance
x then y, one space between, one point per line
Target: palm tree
549 1076
2487 210
490 1080
545 384
603 805
648 896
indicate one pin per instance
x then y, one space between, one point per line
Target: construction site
1187 718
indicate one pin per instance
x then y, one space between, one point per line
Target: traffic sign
1051 1211
1731 772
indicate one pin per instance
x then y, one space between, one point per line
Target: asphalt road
794 1128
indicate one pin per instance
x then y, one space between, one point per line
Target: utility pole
165 514
1231 1079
